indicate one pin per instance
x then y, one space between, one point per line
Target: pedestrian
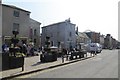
64 52
39 48
62 55
32 50
62 58
5 48
24 49
92 53
28 50
42 49
67 55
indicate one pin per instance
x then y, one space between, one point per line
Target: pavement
33 64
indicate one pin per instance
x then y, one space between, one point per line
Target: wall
118 43
60 33
0 39
55 32
0 27
102 40
9 19
35 25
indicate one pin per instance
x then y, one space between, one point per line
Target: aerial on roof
11 6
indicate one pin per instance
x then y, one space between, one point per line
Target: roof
89 31
34 21
14 7
80 34
57 24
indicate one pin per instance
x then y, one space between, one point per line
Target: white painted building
15 18
61 34
35 32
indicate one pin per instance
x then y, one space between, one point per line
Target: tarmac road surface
104 65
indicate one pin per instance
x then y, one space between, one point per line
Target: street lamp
14 40
15 32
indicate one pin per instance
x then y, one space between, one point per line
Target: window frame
16 13
16 26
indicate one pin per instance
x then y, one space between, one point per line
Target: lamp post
14 40
15 32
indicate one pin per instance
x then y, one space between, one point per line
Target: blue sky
96 15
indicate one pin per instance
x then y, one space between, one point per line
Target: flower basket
48 57
16 61
5 61
11 61
15 40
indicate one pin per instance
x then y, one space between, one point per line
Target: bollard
86 55
23 68
67 57
91 54
62 60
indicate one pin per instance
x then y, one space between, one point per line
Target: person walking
66 54
28 50
63 53
32 50
24 49
5 48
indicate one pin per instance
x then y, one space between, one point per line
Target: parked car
94 47
110 48
118 47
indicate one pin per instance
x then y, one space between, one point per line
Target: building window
16 13
58 44
35 32
15 27
28 14
70 34
31 33
35 41
51 43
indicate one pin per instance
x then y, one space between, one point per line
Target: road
104 65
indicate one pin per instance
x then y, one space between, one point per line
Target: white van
94 47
